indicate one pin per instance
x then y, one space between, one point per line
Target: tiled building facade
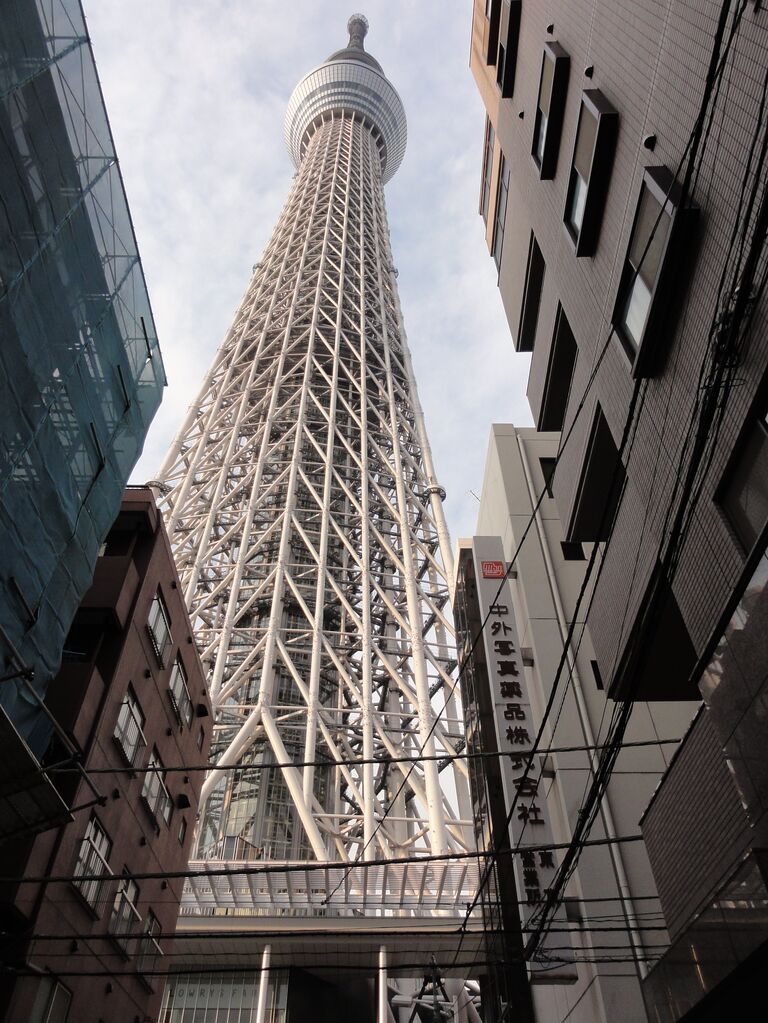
623 188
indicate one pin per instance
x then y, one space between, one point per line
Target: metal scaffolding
308 527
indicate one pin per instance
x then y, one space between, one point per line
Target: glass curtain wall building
81 374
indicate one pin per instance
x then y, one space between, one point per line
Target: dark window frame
548 465
557 62
754 433
489 144
533 286
592 521
491 31
509 40
646 353
572 550
584 236
500 212
554 399
597 675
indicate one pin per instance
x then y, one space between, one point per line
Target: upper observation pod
352 81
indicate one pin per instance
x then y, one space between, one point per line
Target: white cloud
196 94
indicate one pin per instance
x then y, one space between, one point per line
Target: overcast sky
196 92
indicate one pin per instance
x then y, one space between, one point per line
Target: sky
196 93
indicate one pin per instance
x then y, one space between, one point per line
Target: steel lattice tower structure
308 526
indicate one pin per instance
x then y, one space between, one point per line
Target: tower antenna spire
357 26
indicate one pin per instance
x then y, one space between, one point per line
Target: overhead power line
355 761
268 867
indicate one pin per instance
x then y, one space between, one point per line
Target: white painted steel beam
307 523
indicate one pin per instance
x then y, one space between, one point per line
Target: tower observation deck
308 528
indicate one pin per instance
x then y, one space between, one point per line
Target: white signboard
516 730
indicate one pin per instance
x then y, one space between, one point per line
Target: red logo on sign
492 569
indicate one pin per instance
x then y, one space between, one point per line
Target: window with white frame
92 859
159 628
51 1003
129 730
154 793
149 945
179 693
125 919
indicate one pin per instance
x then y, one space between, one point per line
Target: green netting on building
81 374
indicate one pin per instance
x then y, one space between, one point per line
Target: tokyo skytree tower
308 527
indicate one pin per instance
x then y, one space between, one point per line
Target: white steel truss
308 529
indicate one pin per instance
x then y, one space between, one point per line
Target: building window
550 108
52 1002
597 676
502 196
179 693
600 486
156 797
590 170
557 383
182 830
92 858
661 228
548 466
149 946
485 195
572 551
200 737
491 30
509 37
500 65
743 495
658 659
159 628
129 730
125 919
529 311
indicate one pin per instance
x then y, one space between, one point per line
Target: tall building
623 188
308 528
88 922
81 374
612 914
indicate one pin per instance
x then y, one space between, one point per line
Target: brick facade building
131 698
